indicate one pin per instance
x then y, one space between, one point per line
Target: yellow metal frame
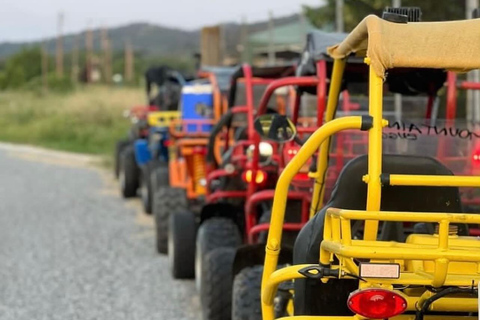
162 119
432 260
322 160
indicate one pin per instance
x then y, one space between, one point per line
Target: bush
88 120
21 68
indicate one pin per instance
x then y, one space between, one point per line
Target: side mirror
275 127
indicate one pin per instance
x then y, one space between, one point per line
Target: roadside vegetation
62 114
87 120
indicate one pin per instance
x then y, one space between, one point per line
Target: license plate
379 270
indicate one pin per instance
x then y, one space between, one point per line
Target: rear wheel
159 177
216 288
129 173
165 202
246 304
181 244
146 185
119 147
214 233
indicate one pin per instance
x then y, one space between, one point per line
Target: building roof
289 37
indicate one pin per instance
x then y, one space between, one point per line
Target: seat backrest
350 191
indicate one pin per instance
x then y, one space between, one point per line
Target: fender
254 254
142 152
219 209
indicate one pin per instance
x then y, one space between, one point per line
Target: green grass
88 120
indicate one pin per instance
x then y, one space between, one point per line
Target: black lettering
474 135
453 132
465 134
440 132
428 128
414 127
395 125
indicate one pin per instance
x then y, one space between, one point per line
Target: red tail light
476 156
260 177
377 303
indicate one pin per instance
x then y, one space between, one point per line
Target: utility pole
244 39
128 61
59 51
339 16
44 67
223 43
473 96
397 102
89 54
271 43
75 68
107 69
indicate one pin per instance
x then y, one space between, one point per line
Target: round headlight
265 149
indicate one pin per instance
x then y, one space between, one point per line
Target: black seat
350 192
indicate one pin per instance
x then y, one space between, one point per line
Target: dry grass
88 120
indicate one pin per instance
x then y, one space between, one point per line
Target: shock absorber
199 172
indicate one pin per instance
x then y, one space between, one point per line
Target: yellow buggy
344 267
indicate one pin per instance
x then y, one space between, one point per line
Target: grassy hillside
88 121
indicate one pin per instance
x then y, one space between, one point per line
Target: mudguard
142 152
250 255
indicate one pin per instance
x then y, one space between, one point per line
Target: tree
356 10
21 68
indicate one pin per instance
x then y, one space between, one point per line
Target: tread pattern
160 177
146 185
214 233
181 244
217 282
166 201
131 172
120 145
246 304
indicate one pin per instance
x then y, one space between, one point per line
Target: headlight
265 151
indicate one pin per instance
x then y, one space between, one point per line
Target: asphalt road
70 248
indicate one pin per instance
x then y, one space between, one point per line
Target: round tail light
377 303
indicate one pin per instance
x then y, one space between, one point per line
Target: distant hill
148 39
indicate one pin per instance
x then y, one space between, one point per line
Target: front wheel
214 233
165 202
181 244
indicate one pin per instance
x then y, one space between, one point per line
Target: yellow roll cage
371 39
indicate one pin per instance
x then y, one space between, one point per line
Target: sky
22 20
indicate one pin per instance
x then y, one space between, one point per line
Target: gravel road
70 248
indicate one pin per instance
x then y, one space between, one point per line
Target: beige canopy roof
453 45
